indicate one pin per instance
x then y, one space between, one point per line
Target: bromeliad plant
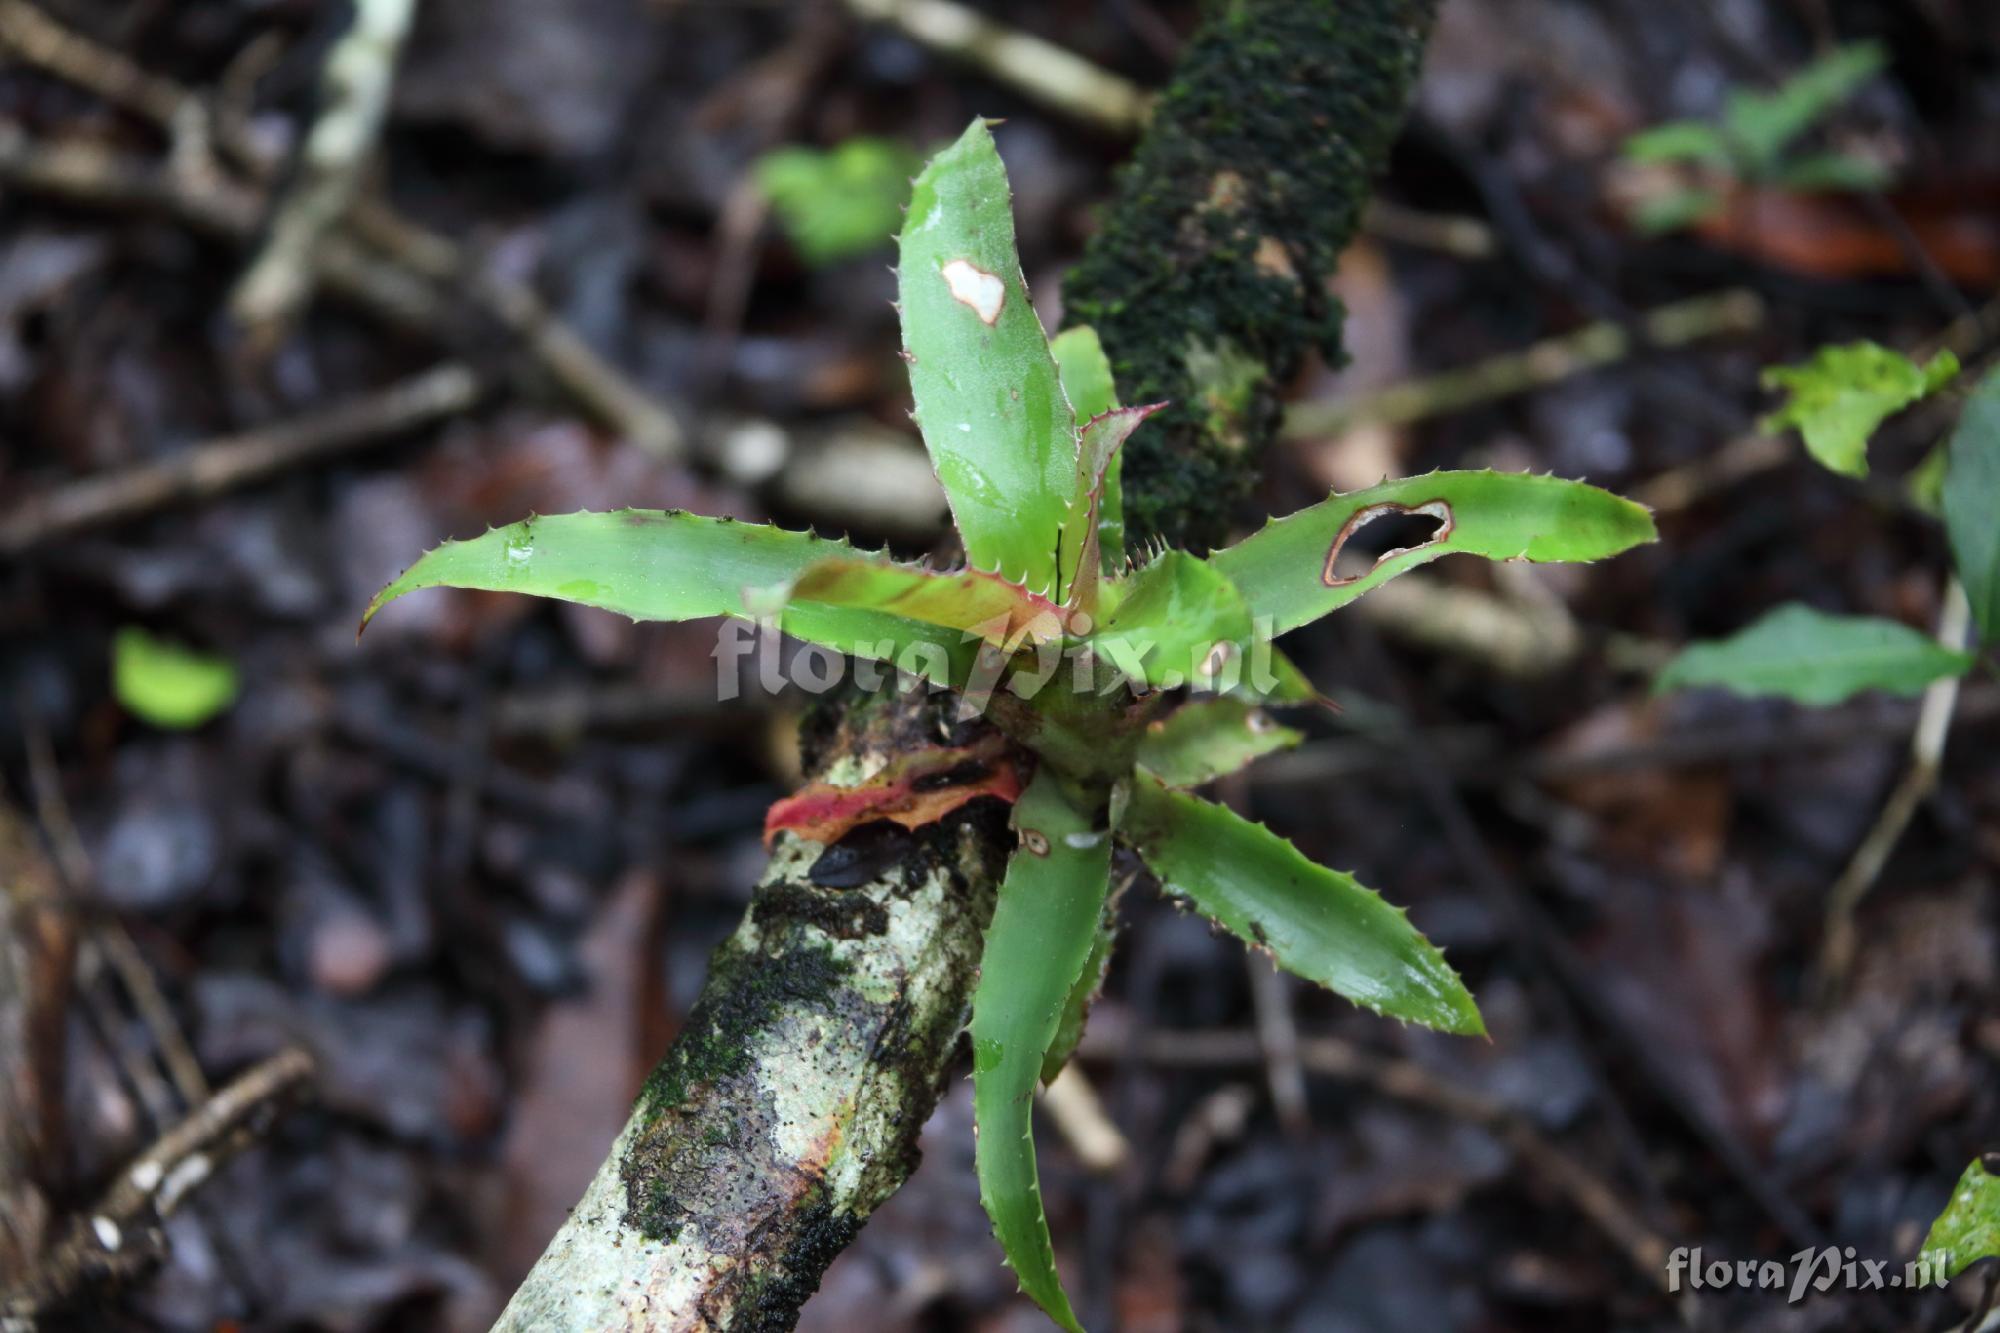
1025 437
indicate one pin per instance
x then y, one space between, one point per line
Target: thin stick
1934 716
1278 1037
1060 80
119 1235
1550 361
231 462
1074 1109
354 99
407 282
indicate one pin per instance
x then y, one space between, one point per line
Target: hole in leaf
1379 533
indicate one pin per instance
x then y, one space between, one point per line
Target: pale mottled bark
790 1106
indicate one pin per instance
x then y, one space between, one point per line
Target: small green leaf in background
1678 141
1764 125
1676 210
166 683
1808 656
839 202
1833 172
1971 502
1924 486
1316 922
1968 1230
1838 398
1208 738
1046 922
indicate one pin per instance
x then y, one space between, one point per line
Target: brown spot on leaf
1361 518
1035 841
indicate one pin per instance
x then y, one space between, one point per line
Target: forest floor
474 861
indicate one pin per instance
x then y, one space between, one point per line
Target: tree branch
791 1105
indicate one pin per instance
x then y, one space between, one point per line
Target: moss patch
746 993
1226 226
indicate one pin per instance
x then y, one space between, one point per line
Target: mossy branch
1208 281
790 1107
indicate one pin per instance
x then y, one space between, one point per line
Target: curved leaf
1286 570
1099 448
1798 653
1204 739
1044 925
653 564
972 602
1076 1009
1086 380
1175 622
1000 432
1314 921
1971 502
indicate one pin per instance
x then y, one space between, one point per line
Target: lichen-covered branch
1208 281
789 1108
791 1105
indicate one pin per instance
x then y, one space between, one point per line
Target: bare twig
120 1234
1278 1037
1060 80
1934 716
402 272
354 98
37 971
109 941
1537 366
225 464
1074 1109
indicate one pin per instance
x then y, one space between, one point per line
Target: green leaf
1174 622
1272 678
1678 141
1838 398
1676 210
1076 1009
1207 738
1000 432
1101 443
1045 924
984 605
1087 382
1972 504
1314 921
653 564
1924 484
1286 571
1968 1230
1833 171
166 683
1765 124
838 202
1795 652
